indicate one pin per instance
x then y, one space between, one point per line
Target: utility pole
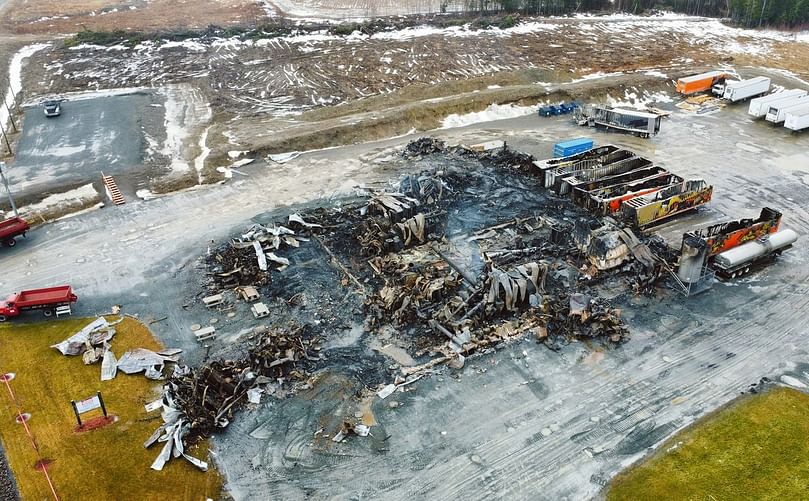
8 191
8 145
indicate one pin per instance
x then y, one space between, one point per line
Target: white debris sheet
77 343
109 365
171 433
141 359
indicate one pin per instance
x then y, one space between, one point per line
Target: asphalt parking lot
101 134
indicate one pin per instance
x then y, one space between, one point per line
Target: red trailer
48 300
11 228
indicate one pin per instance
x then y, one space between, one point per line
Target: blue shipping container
567 148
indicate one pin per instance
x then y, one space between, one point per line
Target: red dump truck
50 300
11 228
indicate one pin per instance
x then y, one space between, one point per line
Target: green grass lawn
755 448
108 463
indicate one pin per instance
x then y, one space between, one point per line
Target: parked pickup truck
11 228
47 300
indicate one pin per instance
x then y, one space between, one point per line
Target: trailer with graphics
609 200
649 209
581 193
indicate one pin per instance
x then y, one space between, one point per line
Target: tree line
748 13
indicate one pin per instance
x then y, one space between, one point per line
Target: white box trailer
797 121
778 112
745 89
761 105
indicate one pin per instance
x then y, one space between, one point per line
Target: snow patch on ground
632 99
185 112
490 114
655 73
597 75
91 94
791 381
15 77
61 201
145 194
191 45
792 75
176 133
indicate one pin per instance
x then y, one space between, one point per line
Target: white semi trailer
738 260
778 111
745 89
761 105
797 120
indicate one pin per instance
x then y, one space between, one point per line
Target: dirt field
319 90
70 16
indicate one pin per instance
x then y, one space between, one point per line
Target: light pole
5 183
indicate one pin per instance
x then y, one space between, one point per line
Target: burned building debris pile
208 396
464 253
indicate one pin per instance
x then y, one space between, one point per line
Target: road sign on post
88 404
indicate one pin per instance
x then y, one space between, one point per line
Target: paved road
93 135
536 424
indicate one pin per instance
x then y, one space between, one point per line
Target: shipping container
777 112
761 105
567 148
797 121
700 83
745 89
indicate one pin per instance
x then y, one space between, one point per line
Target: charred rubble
207 397
463 254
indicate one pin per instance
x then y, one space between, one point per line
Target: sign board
88 404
